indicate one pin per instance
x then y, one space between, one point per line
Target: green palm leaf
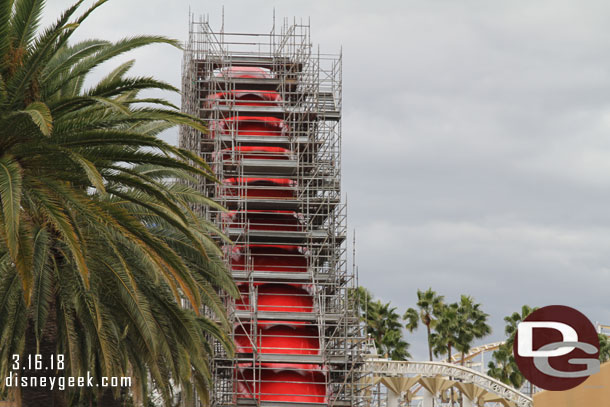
41 116
99 247
25 22
10 194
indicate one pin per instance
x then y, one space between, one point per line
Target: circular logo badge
556 348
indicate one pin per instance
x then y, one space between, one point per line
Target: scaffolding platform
273 110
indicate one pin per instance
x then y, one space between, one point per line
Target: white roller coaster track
392 368
488 347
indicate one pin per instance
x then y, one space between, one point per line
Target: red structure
244 98
277 188
289 221
256 153
269 258
244 126
279 338
287 382
273 111
283 382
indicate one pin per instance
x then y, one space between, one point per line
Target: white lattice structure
434 383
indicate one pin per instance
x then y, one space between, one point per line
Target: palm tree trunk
42 396
429 344
450 378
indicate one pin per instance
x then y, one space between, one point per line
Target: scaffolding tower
273 109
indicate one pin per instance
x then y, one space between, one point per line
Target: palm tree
158 318
446 333
604 348
384 326
391 342
83 271
429 304
473 325
503 366
457 325
513 320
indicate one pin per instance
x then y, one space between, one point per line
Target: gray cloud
476 139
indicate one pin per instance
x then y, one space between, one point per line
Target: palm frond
25 22
43 287
10 195
41 116
6 12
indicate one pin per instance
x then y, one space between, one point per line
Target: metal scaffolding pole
273 112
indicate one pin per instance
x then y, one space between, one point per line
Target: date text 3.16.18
36 362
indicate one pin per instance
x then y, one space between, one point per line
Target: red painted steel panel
284 298
279 258
280 384
274 188
249 126
277 298
244 98
263 220
292 339
256 153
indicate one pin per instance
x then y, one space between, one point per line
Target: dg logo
556 348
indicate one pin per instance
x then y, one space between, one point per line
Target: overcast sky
476 138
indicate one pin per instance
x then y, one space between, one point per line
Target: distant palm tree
446 334
473 325
513 320
457 326
503 366
85 270
391 341
412 317
604 348
429 304
384 326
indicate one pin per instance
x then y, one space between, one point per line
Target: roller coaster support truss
435 379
